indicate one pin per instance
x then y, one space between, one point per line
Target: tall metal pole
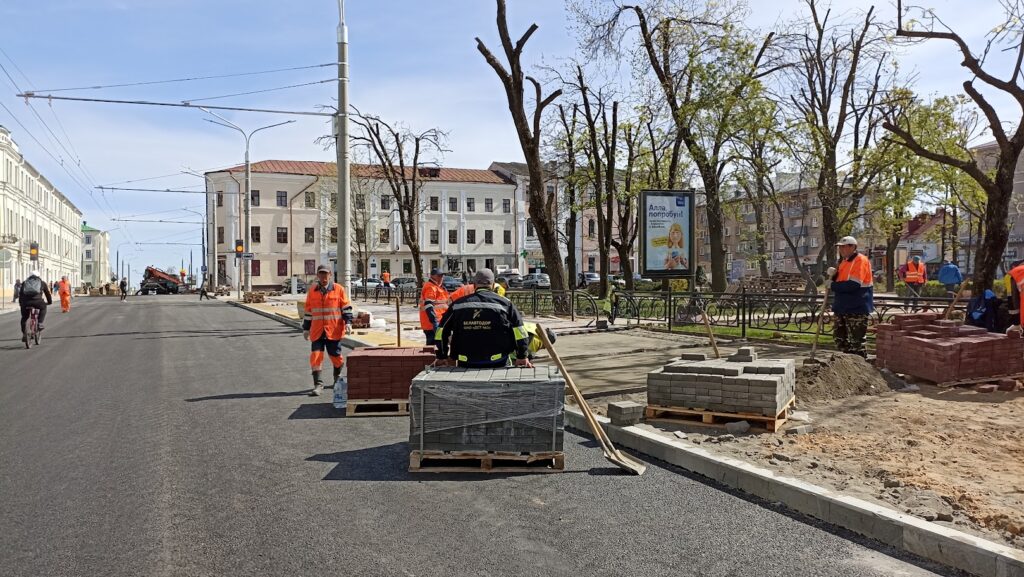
344 268
246 269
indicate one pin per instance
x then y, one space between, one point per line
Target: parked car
616 280
536 280
300 286
590 278
451 283
371 283
512 279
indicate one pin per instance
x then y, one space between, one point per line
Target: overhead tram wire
178 191
152 82
175 105
261 91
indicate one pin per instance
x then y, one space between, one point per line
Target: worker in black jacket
481 328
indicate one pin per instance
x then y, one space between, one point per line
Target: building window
488 205
310 199
814 242
435 263
282 267
453 236
334 234
282 198
88 269
470 204
220 198
508 236
434 203
591 263
726 231
282 234
255 268
88 239
406 266
488 237
471 236
359 201
453 204
334 201
255 197
506 205
385 203
88 255
814 222
385 235
434 236
360 235
220 235
254 232
471 264
529 228
309 266
591 227
310 235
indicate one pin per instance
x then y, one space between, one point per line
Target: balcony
796 212
797 231
749 218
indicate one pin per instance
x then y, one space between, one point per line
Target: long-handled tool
817 331
711 333
610 452
952 305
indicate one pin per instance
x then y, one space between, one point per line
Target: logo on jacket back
476 313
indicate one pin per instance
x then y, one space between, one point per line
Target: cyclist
35 294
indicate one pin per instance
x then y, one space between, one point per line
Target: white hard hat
847 240
34 273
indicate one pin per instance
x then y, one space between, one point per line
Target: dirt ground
953 456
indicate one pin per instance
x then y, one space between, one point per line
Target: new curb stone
928 540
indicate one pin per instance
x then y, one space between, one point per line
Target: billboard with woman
666 228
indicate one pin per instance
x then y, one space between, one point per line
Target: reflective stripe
324 310
307 316
519 332
439 334
463 358
497 356
477 305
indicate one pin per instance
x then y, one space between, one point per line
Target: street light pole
344 267
247 199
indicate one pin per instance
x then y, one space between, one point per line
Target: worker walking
123 286
915 278
852 287
482 330
327 312
64 290
433 304
950 277
1016 275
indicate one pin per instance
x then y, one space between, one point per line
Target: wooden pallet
485 462
963 382
693 416
376 407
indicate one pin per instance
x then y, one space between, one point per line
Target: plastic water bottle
341 393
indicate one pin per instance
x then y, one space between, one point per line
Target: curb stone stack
740 384
625 413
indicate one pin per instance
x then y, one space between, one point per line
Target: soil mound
840 376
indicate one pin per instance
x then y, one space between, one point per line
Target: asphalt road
165 436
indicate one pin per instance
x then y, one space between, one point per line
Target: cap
323 268
847 240
917 258
436 272
483 277
34 273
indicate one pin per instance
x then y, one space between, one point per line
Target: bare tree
404 160
543 213
567 149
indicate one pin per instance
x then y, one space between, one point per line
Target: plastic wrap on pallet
511 409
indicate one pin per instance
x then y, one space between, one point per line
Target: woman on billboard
675 255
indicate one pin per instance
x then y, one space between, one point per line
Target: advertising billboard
666 231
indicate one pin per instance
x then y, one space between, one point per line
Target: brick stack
735 385
515 409
385 373
361 321
945 351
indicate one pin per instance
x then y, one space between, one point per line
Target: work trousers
317 348
850 334
26 311
65 302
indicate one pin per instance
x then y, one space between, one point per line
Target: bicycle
32 329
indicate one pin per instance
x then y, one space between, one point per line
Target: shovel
610 452
817 332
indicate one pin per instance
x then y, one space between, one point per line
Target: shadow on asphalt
213 333
316 411
235 396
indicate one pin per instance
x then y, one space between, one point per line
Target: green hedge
932 288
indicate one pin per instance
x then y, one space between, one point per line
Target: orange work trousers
65 302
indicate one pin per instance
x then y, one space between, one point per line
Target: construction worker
536 344
1016 275
467 289
123 286
852 286
950 277
433 304
385 279
64 290
915 278
328 310
480 329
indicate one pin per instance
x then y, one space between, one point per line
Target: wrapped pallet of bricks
509 410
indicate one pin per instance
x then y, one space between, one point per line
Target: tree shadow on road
235 396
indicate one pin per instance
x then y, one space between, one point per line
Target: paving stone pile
385 373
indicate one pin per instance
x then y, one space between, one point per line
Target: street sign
203 268
247 256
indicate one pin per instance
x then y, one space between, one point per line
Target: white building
33 211
524 234
96 269
466 221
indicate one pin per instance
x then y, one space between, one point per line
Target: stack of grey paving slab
739 384
510 410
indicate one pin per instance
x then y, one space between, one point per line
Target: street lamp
244 267
203 237
344 269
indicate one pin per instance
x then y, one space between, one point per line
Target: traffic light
239 248
33 251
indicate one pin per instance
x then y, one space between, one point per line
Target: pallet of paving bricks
693 416
376 407
962 382
485 462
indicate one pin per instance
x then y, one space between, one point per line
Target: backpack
32 287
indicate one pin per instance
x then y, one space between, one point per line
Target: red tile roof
316 168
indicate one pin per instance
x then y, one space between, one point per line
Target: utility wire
260 91
161 211
161 221
151 82
162 190
174 104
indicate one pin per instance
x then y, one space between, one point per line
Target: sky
412 61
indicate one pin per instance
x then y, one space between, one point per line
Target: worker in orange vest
327 312
64 289
853 289
915 278
433 304
385 277
1016 274
468 289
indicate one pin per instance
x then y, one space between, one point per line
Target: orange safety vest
916 273
325 309
64 288
462 291
385 276
858 269
1017 274
435 295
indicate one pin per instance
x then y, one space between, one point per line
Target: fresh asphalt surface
165 436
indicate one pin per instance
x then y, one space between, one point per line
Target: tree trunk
713 208
990 251
761 240
626 265
890 259
572 267
954 239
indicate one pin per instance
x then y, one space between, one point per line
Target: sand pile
840 376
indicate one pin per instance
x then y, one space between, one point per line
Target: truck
156 281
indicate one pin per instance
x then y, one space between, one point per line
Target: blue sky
411 60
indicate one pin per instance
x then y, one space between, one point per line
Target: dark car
300 286
513 280
152 288
451 283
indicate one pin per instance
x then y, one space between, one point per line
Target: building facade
465 222
32 210
96 268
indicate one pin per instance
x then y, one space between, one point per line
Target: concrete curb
931 541
348 342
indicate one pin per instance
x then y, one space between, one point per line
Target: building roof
87 228
317 168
